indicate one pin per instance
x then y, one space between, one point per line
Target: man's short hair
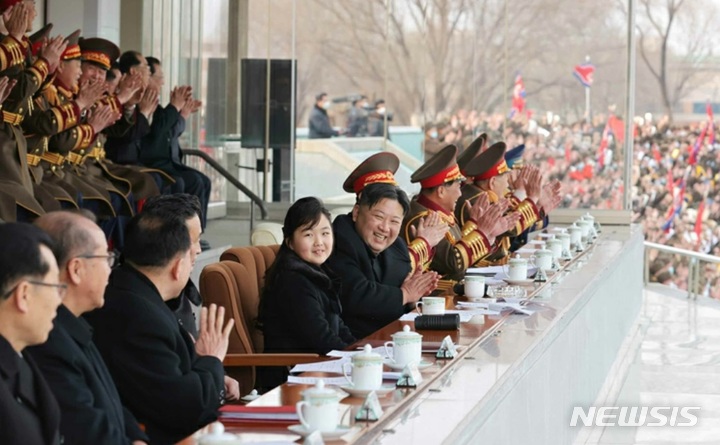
110 75
183 205
153 62
129 59
69 237
20 254
374 193
154 239
320 96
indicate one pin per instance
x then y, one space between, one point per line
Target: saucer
364 392
395 367
526 282
339 431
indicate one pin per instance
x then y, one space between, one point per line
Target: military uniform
464 245
15 177
129 178
487 165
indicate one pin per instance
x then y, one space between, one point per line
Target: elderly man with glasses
29 298
92 412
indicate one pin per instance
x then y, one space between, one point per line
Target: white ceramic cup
555 246
319 408
516 269
543 259
565 239
431 306
407 347
474 286
367 370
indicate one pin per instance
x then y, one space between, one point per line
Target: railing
234 181
694 267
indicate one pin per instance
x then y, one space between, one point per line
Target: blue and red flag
518 99
584 73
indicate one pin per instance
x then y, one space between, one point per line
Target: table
517 377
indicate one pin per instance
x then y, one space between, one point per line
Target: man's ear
355 211
21 297
176 266
74 270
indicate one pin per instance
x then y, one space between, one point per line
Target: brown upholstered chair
234 286
256 258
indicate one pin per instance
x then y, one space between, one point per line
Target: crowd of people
674 171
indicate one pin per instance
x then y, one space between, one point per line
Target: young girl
300 308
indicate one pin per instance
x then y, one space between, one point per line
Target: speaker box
255 101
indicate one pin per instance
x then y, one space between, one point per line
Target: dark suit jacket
72 365
160 378
26 418
157 145
371 295
124 139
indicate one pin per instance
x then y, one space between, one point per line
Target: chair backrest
256 258
226 284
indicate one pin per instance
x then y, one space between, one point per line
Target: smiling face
379 225
312 242
69 72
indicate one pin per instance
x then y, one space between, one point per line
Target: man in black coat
69 360
161 147
319 123
29 297
173 386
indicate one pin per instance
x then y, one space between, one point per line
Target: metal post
388 11
646 267
266 149
293 77
629 107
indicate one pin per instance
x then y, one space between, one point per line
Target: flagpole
587 97
629 107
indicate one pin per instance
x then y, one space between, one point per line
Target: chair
266 233
232 285
257 259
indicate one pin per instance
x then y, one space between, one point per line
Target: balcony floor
675 361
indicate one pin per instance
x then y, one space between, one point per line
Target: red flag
711 123
568 149
698 221
656 153
617 127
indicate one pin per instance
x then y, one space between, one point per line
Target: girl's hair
305 212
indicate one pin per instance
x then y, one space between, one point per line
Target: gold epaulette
97 153
74 158
12 118
410 222
53 158
33 160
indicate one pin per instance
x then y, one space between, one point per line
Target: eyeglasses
111 258
61 288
